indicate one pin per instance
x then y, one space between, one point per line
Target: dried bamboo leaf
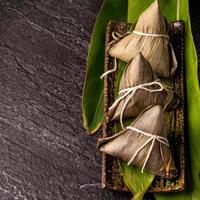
128 145
157 50
136 73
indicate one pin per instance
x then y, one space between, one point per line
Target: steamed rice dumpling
144 144
150 38
138 90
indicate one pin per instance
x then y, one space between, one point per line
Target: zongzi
144 143
149 37
138 90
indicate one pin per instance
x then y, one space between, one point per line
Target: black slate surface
45 153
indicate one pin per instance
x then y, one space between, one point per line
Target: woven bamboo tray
111 176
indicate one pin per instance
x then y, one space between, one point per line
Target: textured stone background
45 153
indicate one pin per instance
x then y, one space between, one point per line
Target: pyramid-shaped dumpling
145 146
154 47
137 72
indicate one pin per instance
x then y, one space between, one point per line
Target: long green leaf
169 8
193 107
92 104
136 181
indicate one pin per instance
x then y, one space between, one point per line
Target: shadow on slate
45 153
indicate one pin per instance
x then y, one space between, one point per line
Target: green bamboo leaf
136 181
169 8
92 104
